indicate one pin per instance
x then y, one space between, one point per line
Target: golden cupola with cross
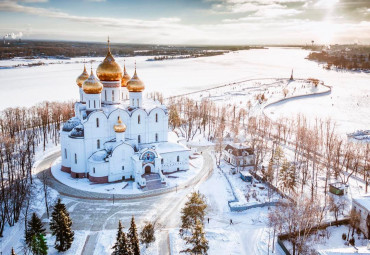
109 69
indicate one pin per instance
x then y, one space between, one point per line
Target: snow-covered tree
133 237
121 246
38 245
147 234
193 210
60 226
197 241
34 228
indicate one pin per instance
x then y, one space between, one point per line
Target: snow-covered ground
347 105
247 235
332 243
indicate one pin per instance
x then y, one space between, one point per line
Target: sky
206 22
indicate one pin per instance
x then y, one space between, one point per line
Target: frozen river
349 103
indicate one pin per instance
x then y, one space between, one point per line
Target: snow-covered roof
238 149
364 201
165 147
148 105
71 123
99 156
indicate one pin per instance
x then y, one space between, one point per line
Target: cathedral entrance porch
148 169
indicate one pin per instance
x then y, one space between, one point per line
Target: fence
281 238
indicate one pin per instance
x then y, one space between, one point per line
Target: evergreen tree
197 240
60 226
121 247
193 210
13 252
34 228
292 177
284 174
278 156
38 245
147 234
132 236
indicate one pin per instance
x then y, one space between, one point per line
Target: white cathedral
115 134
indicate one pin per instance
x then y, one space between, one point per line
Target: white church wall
171 163
77 154
120 163
64 144
137 128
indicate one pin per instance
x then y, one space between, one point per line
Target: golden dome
120 127
83 77
126 77
135 84
109 69
92 85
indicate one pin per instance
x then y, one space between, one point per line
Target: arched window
65 153
133 102
75 158
178 158
94 170
89 104
105 95
112 95
123 168
138 119
137 102
139 139
94 104
98 144
156 137
162 161
156 117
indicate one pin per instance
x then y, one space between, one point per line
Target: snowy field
348 104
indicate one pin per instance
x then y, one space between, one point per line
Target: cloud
11 6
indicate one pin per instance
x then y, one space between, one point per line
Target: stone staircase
153 181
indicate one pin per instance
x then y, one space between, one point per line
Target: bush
344 236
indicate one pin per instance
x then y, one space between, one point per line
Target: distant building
362 205
238 155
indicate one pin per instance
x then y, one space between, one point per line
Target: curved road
95 212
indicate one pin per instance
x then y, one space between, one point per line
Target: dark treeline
37 49
21 131
342 61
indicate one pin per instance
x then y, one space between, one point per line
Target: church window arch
138 119
156 117
139 139
65 153
94 170
112 95
75 158
97 122
105 95
156 137
178 158
98 144
94 104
